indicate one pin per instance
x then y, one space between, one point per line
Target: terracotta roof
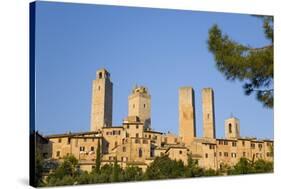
71 134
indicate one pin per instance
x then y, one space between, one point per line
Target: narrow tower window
230 128
100 75
140 152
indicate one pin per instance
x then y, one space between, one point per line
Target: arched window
100 75
140 152
230 128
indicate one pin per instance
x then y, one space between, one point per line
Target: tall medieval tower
209 130
139 105
187 124
102 89
232 128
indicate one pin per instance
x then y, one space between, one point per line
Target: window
220 153
59 140
140 152
234 144
225 142
253 145
124 149
260 145
76 142
58 153
115 144
137 141
268 144
82 148
208 116
68 141
233 155
137 126
144 105
93 139
133 105
92 148
99 88
180 152
225 154
244 154
137 135
206 155
211 146
220 142
243 143
145 141
100 75
215 154
229 128
128 126
85 140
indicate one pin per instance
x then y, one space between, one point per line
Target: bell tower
102 89
232 128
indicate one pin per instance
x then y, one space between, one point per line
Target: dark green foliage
253 66
245 166
98 158
161 168
132 173
38 169
262 166
64 173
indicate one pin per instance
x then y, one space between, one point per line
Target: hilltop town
136 143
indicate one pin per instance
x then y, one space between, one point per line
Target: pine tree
253 66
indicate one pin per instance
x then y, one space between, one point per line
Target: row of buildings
135 143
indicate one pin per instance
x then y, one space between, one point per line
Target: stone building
135 143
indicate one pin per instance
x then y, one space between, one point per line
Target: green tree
192 169
38 169
98 158
243 166
116 171
132 173
253 66
262 166
163 167
64 174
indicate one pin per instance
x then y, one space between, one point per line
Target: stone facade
135 143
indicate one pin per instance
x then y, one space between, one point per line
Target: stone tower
139 105
209 130
232 128
187 128
102 88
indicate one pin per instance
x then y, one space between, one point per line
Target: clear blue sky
158 48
